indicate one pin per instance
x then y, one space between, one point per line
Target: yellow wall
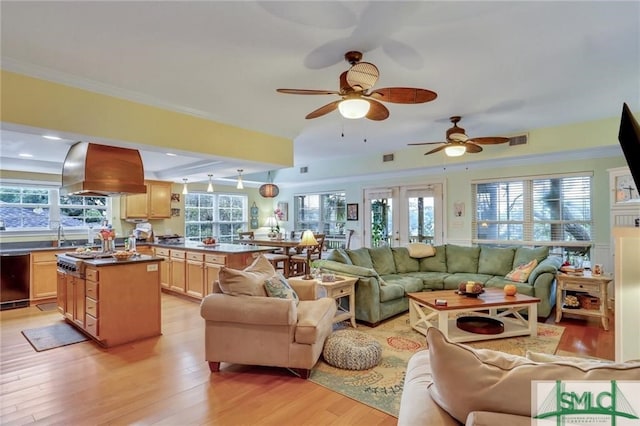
42 104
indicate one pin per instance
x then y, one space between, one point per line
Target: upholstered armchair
268 331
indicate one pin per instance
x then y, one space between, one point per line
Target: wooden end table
424 313
341 287
595 285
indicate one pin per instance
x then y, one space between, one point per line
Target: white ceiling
506 67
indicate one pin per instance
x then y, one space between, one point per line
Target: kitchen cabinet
61 296
74 299
195 274
43 274
155 204
165 267
177 278
212 265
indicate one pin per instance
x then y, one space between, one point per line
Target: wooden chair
299 263
246 237
280 262
348 242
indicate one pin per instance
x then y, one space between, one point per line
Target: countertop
110 261
216 248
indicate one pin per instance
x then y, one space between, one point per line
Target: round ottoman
351 350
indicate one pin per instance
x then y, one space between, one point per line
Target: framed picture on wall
284 208
352 211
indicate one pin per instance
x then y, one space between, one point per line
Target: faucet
61 238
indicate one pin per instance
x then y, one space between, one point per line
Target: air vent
518 140
387 157
304 169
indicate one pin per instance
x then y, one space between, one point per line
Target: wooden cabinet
195 274
165 266
43 274
212 265
92 303
155 204
61 296
71 301
177 278
627 293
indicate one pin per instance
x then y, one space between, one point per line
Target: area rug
51 306
381 387
53 336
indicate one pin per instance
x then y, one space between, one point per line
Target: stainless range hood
99 170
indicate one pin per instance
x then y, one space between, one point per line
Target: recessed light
171 154
53 138
25 155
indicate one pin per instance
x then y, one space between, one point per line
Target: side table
595 285
341 287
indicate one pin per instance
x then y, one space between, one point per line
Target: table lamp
308 240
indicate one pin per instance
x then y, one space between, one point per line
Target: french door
396 216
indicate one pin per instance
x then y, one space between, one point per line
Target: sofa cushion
410 283
462 259
278 286
382 259
496 260
404 262
499 382
525 255
452 281
360 257
431 280
391 292
339 255
250 281
500 282
521 273
437 263
420 250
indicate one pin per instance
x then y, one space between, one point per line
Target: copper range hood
99 170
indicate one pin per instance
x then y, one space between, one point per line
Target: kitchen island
113 301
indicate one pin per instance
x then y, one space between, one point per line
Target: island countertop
111 261
223 248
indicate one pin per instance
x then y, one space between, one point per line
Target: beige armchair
258 330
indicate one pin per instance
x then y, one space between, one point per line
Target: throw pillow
542 357
278 286
420 250
250 281
499 382
522 272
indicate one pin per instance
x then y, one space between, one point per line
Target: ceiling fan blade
472 148
490 140
404 95
362 76
424 143
326 109
377 111
440 148
307 92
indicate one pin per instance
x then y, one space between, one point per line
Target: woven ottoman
351 350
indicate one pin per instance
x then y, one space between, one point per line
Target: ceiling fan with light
357 98
458 142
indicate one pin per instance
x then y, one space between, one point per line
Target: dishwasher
14 280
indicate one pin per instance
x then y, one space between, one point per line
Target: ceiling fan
458 142
357 100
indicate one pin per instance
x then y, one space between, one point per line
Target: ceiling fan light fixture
354 108
458 137
455 150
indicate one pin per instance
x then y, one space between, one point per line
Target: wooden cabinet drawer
196 257
92 290
92 275
92 307
215 258
45 256
162 251
178 254
580 287
91 325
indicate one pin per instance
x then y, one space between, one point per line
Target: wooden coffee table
424 313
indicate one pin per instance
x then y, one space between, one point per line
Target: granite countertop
216 248
111 261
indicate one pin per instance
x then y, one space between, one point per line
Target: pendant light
184 187
210 187
239 185
269 189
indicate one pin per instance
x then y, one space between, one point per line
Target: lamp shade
269 190
308 239
455 150
271 222
354 108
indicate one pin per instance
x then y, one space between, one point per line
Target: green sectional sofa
387 274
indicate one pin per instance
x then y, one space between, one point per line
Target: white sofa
454 384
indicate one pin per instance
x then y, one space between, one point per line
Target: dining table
275 242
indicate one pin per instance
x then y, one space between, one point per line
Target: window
42 209
214 215
553 211
323 213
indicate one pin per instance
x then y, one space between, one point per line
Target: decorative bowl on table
475 287
122 255
209 241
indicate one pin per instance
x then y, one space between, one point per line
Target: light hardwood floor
165 380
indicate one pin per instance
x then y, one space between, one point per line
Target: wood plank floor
165 380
